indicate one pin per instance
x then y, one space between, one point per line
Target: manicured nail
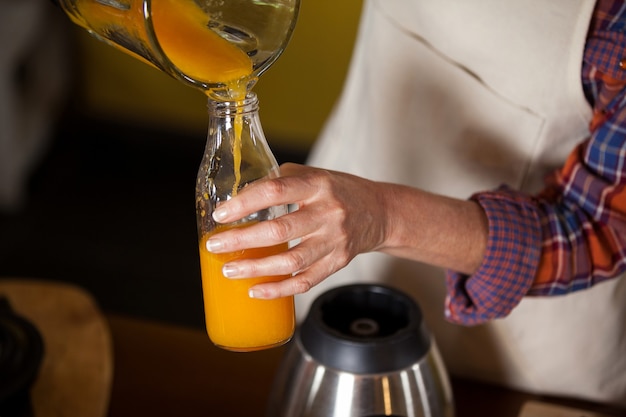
230 271
214 245
219 214
255 293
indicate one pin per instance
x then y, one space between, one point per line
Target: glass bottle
237 154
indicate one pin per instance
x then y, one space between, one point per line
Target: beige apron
430 102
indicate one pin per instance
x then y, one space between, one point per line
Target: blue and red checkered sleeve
572 235
509 265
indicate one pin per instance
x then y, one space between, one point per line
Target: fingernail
219 214
256 293
230 271
214 245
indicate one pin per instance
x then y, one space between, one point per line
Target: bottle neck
228 109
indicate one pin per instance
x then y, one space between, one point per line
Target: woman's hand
338 217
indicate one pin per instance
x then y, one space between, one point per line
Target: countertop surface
165 370
122 366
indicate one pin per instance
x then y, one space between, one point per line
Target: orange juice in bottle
235 321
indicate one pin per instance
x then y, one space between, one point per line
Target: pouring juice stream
175 23
193 48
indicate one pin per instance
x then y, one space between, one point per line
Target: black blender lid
21 352
365 328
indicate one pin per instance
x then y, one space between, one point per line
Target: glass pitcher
218 46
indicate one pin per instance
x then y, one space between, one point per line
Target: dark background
110 200
110 207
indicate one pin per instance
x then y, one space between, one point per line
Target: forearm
433 229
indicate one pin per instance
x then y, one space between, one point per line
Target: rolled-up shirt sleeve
509 265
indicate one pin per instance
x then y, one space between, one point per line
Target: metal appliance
362 351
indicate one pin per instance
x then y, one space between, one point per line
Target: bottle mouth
225 108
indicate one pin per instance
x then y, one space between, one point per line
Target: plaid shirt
572 235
